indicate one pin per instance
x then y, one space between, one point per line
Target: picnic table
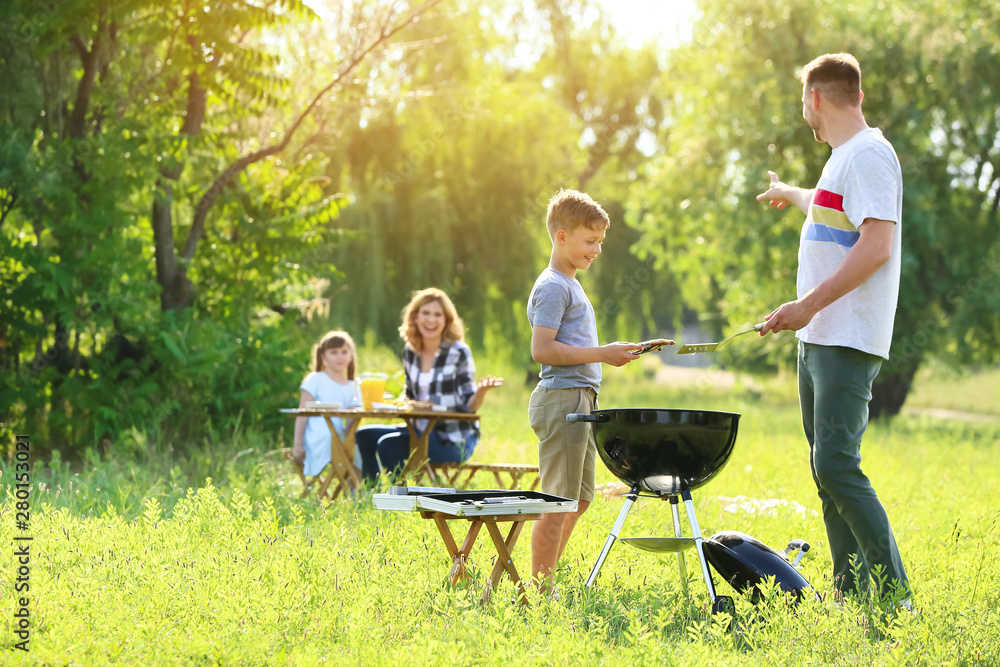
341 466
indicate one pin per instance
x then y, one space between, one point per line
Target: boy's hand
619 354
653 345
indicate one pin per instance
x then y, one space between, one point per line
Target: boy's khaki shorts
567 453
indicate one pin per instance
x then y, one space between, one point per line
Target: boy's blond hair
570 210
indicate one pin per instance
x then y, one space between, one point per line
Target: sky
640 20
667 21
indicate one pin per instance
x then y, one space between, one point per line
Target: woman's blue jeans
392 446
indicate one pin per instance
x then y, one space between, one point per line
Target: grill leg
630 498
698 543
681 566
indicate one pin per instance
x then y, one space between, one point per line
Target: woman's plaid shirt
453 384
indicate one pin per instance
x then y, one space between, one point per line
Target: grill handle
797 545
576 418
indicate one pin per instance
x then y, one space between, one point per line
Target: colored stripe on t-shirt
831 235
828 199
829 223
831 218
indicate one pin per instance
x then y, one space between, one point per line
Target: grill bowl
665 451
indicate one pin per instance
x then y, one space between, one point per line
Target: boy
564 342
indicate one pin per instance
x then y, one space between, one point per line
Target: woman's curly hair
454 330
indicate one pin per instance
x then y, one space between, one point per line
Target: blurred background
192 192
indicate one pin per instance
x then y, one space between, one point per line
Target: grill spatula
712 347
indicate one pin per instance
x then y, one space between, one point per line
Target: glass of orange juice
372 388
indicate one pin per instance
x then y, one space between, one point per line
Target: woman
439 368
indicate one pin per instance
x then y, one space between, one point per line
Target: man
847 286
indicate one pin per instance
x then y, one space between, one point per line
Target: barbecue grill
665 454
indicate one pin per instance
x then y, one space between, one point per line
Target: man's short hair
571 209
837 76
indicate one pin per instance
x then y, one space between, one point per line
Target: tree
128 135
453 178
735 114
213 52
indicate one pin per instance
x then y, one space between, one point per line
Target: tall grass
146 562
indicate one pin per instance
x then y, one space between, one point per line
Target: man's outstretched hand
778 194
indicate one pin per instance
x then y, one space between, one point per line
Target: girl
332 381
439 368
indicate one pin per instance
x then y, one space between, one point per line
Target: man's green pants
835 386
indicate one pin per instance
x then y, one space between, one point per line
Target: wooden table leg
447 473
504 547
348 446
346 450
452 473
459 556
505 562
419 461
302 476
324 485
341 465
449 541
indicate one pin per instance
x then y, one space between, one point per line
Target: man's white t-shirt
862 179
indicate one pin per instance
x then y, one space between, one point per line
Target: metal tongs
712 347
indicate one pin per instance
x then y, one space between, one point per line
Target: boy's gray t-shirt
559 302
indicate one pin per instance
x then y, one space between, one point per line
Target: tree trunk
890 390
89 58
175 289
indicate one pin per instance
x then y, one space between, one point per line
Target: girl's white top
316 440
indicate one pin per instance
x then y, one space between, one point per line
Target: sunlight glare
666 21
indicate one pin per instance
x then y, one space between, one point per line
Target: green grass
144 562
963 390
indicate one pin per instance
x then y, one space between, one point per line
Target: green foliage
736 113
452 186
143 246
174 212
122 117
